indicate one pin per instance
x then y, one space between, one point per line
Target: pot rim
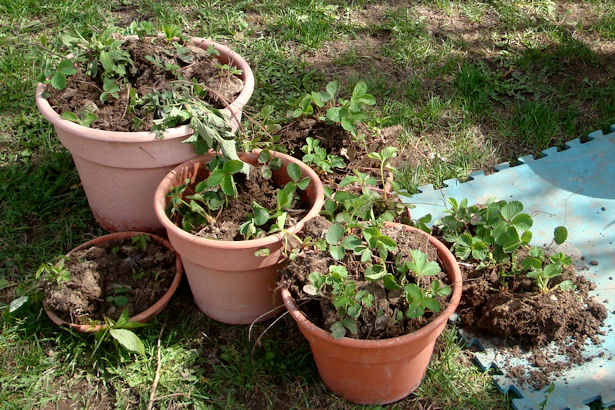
318 332
163 187
141 317
144 136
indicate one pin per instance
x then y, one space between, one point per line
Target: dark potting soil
528 321
376 322
257 189
82 93
337 141
100 273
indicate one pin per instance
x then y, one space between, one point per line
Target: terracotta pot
119 171
229 283
147 314
378 371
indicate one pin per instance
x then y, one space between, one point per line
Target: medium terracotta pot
147 314
229 283
120 171
378 371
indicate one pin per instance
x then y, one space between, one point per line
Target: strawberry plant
108 61
495 235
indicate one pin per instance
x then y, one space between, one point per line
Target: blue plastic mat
575 188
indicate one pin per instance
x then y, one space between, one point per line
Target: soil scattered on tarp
526 320
108 278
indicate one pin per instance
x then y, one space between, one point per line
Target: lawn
466 85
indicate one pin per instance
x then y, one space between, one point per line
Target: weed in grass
540 124
305 23
475 86
605 26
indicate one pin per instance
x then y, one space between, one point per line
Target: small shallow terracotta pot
147 314
228 281
378 371
120 171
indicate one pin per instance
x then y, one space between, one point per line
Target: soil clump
526 320
108 278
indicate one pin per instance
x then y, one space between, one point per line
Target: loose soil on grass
257 189
82 93
376 322
527 320
337 141
112 269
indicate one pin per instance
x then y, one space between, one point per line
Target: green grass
472 84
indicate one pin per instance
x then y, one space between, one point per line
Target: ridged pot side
142 317
378 371
120 171
228 281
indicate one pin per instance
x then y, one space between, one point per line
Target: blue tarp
574 187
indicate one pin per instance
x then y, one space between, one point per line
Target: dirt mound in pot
108 278
337 141
157 65
257 189
378 321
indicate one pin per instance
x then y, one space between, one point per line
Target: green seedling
118 298
141 29
349 112
55 272
229 69
495 233
542 276
171 31
140 241
347 300
384 157
317 155
111 88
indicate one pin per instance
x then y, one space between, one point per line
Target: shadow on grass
43 210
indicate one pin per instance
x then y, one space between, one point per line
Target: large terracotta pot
228 281
378 371
147 314
120 171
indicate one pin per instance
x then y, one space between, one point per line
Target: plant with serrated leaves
140 241
373 250
349 112
215 193
274 220
117 297
344 295
102 58
317 155
211 194
384 157
87 119
353 207
344 112
141 29
494 234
